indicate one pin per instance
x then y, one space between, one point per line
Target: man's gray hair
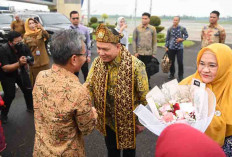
64 44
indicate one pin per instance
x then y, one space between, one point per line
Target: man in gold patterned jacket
118 83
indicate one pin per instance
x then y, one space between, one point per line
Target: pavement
19 130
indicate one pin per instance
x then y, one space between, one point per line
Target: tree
156 21
93 20
104 16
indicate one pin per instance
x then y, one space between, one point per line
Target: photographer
15 57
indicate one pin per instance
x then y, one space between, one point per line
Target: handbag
153 66
166 63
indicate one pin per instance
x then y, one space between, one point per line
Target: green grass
187 43
0 87
130 38
94 37
160 44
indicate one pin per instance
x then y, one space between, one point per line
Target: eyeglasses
75 18
80 54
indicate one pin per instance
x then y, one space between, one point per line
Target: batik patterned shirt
145 40
173 34
62 115
212 34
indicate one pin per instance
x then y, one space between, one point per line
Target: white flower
172 101
187 107
179 114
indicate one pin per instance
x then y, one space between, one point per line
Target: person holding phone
35 38
121 28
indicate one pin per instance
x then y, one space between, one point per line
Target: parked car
5 22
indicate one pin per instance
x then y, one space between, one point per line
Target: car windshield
6 19
54 19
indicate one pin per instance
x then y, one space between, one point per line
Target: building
61 6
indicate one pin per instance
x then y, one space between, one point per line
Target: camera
24 73
30 60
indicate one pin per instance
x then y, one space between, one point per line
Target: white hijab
118 23
124 40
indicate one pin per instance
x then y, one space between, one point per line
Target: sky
19 6
199 8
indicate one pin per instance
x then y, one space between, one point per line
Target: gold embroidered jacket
125 87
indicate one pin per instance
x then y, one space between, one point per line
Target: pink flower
165 108
168 117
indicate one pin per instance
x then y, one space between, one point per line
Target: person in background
176 34
213 33
75 20
145 42
181 140
118 83
14 67
121 28
214 68
35 38
18 25
62 105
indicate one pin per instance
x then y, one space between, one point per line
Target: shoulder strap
182 30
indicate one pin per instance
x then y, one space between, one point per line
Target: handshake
94 111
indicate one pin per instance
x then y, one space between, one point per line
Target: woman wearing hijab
214 68
121 26
181 140
35 38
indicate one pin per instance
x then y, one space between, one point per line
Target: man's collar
58 69
213 25
75 26
144 26
116 61
175 27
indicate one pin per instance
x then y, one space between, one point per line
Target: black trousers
8 86
146 60
111 145
84 69
179 54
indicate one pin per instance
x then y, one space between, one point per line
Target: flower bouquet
173 103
